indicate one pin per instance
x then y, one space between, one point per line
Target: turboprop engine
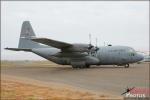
79 48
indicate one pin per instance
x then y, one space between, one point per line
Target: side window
131 54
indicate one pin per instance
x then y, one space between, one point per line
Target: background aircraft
146 56
78 55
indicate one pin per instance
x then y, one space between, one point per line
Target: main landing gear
80 67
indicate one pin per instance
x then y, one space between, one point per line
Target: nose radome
140 57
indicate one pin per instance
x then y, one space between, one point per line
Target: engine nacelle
79 48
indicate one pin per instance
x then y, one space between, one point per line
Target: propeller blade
90 45
90 39
96 47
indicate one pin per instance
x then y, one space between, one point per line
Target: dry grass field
20 88
14 89
21 91
36 80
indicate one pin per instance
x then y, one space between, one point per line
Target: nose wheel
126 66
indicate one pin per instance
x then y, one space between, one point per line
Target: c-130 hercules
77 55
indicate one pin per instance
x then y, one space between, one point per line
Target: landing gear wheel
74 67
126 66
80 67
87 66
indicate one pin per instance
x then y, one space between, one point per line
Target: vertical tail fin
26 34
26 30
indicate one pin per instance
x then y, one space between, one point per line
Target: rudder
26 34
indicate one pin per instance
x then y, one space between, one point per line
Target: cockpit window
132 52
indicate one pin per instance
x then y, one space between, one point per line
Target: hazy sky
115 22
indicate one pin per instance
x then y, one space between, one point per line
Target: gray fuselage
106 55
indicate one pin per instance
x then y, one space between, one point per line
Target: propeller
90 45
96 47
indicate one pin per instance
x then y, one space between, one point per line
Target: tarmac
104 79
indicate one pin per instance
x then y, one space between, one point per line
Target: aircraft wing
53 43
17 49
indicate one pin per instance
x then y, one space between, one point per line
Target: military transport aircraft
78 55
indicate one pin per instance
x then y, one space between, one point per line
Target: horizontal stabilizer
17 49
53 43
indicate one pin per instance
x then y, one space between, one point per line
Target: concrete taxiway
106 79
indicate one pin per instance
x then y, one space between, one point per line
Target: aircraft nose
140 57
